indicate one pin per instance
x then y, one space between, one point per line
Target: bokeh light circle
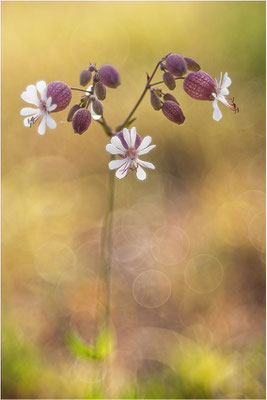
170 245
151 289
203 273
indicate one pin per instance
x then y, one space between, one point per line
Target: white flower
221 92
44 107
95 116
129 145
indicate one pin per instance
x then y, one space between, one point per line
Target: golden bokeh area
187 278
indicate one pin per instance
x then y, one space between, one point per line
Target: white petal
133 136
48 102
146 164
26 122
217 115
126 136
117 143
114 164
140 173
30 95
220 80
28 111
112 149
41 87
42 126
95 116
51 123
145 142
122 171
146 150
52 108
224 91
226 81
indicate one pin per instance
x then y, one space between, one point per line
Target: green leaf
104 344
80 348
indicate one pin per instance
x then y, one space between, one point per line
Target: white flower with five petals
43 104
129 146
221 92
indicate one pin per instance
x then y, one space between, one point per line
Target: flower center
131 153
42 105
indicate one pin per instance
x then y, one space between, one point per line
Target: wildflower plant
125 143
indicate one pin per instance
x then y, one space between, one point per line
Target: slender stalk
80 90
158 83
140 98
106 244
106 257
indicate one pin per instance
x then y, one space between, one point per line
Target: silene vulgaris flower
201 86
44 107
129 146
54 97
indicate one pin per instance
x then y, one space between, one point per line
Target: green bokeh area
188 276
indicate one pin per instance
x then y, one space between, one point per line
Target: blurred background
188 277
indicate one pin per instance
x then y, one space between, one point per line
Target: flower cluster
106 76
125 143
197 84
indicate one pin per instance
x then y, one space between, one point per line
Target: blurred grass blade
105 343
104 346
80 348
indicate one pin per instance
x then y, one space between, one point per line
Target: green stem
80 90
158 83
119 128
106 244
105 126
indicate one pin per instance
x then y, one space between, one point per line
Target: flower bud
85 77
97 107
72 111
170 97
92 67
60 93
175 64
100 91
169 80
191 64
155 100
96 78
109 76
173 112
81 120
200 85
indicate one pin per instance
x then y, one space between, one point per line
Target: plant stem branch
157 83
148 84
80 90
